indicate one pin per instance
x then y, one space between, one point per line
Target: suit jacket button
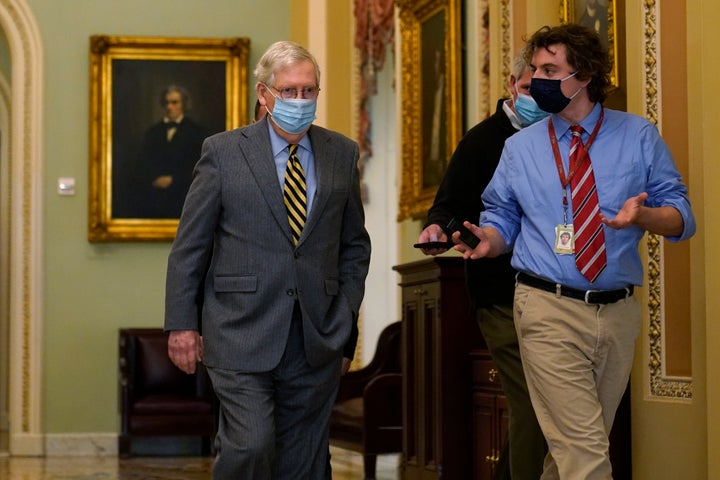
290 292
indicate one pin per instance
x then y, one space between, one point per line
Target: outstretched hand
482 249
628 214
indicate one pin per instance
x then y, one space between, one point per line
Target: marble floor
346 466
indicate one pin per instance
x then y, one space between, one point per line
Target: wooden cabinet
438 334
490 415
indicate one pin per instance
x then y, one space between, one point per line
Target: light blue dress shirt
524 200
281 153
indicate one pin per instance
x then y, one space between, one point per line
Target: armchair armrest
352 384
383 401
385 360
382 419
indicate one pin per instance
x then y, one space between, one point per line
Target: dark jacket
490 281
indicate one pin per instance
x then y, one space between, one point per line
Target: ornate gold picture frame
131 142
601 16
431 98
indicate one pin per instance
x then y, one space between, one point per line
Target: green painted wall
92 290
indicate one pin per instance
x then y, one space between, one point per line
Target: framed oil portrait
601 16
153 100
431 98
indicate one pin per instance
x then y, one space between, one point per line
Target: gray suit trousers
274 425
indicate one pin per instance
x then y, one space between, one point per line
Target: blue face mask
293 115
527 110
548 95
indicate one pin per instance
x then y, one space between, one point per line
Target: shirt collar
512 116
279 144
588 123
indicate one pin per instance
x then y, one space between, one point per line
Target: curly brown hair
585 53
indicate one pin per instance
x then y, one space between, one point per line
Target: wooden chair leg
124 446
370 462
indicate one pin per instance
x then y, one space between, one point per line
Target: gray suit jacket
234 243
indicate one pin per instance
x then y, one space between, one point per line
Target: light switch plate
66 186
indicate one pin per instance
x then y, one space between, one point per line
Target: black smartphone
467 237
431 245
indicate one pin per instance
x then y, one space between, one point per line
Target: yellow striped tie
294 194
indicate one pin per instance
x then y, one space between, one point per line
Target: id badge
564 239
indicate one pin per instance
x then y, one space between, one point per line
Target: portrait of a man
168 153
434 99
162 112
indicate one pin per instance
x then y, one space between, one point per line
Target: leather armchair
157 399
367 416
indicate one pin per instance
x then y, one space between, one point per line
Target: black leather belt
594 297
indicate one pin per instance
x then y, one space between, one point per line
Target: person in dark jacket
491 281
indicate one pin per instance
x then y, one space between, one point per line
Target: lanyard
578 161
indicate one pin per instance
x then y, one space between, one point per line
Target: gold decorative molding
651 49
483 54
661 385
26 236
506 51
24 195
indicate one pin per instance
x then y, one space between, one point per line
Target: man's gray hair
279 56
520 63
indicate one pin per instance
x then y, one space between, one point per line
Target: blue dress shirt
281 153
524 200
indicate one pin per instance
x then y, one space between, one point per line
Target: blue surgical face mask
293 115
548 95
527 110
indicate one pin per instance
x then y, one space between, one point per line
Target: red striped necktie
590 256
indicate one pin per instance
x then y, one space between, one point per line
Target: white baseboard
81 444
27 444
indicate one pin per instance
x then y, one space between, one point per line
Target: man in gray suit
280 305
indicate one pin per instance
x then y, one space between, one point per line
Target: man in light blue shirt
577 332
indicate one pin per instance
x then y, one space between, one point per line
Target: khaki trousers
577 360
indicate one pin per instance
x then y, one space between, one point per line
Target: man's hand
664 220
628 214
491 242
433 233
185 349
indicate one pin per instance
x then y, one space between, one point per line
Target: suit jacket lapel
255 146
324 171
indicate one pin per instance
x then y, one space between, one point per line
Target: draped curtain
374 34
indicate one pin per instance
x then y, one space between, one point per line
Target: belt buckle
587 296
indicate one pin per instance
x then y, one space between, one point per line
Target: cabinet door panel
484 443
